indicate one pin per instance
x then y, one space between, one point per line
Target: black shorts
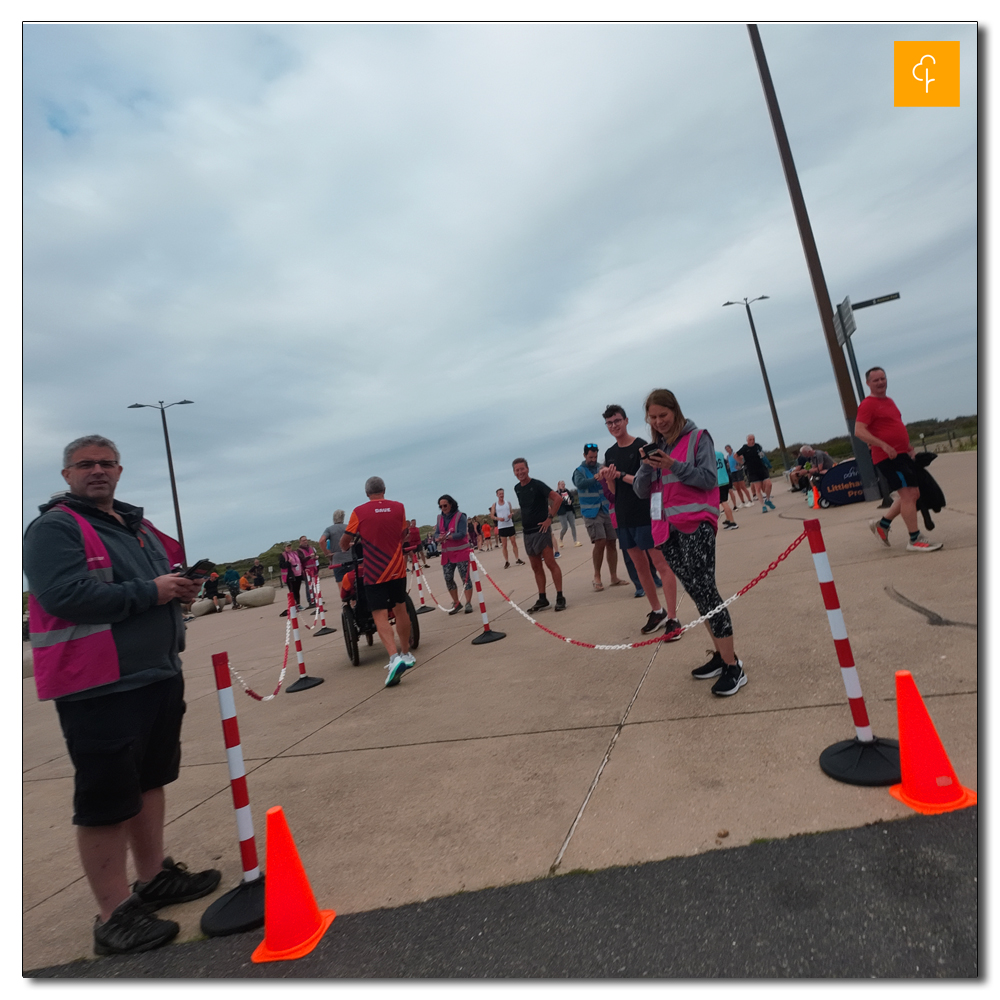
507 532
339 571
385 596
122 745
724 493
899 471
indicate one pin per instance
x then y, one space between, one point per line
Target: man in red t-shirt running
382 526
880 424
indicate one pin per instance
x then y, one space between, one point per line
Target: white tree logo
926 79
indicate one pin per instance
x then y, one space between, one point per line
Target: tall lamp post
170 461
763 371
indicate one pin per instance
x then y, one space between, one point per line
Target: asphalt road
889 900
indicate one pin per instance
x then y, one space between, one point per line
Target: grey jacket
149 637
702 473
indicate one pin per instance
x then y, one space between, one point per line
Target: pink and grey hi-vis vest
453 550
684 506
69 657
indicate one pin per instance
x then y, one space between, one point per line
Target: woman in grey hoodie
679 476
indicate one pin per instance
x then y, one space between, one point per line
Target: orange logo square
925 75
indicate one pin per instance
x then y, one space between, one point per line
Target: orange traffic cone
815 503
293 924
929 782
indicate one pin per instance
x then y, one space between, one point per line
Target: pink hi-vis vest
684 507
453 550
69 657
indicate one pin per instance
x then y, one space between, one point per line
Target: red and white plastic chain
427 587
281 677
660 638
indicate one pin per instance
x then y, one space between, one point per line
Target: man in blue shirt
596 516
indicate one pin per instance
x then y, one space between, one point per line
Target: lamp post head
136 406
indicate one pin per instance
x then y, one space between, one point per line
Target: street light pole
763 371
170 460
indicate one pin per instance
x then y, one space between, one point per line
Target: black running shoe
731 681
175 884
520 562
542 602
711 669
654 621
560 604
672 625
131 928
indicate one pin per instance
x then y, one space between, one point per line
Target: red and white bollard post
324 629
305 681
423 609
867 759
488 634
242 908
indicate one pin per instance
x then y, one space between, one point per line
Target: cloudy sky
419 251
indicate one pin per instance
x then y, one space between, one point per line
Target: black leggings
295 586
692 558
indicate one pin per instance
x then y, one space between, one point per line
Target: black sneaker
654 621
506 565
560 604
520 562
455 610
175 884
731 681
132 927
542 602
729 525
711 669
672 625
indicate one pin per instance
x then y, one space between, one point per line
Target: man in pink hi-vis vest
106 634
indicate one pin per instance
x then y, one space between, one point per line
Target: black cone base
424 610
325 630
857 763
304 683
490 636
240 909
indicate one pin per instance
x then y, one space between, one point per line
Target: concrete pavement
500 764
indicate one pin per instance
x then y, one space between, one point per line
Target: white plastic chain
281 677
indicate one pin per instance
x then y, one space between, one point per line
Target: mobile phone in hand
651 452
199 570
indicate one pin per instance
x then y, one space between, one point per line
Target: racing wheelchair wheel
414 623
350 636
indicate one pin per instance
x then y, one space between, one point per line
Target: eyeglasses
84 466
444 506
612 423
590 447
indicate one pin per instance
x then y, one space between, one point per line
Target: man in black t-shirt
621 462
539 504
751 458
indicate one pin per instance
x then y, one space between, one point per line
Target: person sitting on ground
810 466
454 535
